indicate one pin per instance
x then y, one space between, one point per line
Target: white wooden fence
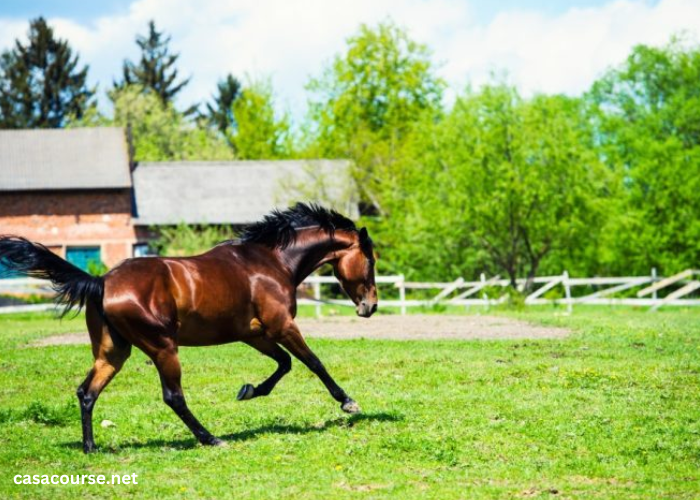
675 290
654 291
23 287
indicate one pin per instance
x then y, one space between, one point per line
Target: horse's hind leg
110 354
284 365
168 365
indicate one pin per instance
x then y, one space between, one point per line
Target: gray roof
237 192
81 158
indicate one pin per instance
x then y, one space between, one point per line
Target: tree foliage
41 83
366 102
517 186
258 133
155 72
383 83
184 240
648 116
500 185
220 112
159 132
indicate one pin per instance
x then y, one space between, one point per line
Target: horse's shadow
250 434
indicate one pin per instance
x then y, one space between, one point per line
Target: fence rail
475 293
654 291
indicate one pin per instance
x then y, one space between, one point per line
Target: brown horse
241 290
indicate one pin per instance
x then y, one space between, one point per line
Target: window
83 256
142 250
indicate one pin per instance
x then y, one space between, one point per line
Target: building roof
236 192
53 159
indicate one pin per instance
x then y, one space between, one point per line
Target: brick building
77 192
70 190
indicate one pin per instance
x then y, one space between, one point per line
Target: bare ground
411 327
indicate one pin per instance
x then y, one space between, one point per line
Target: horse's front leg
284 365
290 337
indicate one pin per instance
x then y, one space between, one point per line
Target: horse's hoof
90 448
214 441
246 392
351 407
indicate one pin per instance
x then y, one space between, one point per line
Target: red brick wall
72 218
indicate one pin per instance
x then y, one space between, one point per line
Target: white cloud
567 52
292 40
10 30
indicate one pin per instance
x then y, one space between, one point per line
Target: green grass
610 412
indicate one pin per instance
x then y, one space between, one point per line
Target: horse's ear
365 242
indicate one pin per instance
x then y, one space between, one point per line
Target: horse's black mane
279 228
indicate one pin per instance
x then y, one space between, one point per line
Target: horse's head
355 271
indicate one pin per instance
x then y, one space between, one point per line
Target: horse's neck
306 255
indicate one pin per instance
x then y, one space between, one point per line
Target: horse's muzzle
366 309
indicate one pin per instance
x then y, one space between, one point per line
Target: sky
552 46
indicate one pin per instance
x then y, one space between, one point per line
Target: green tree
648 119
220 112
155 71
365 103
502 185
184 240
41 83
159 132
259 134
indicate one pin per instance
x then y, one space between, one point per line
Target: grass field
610 412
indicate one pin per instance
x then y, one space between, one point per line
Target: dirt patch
63 339
411 327
426 327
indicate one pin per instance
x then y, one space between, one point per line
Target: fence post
653 280
402 295
317 297
567 291
484 295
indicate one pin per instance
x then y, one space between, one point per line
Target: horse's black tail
73 286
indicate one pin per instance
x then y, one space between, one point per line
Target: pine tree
155 71
40 82
220 112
